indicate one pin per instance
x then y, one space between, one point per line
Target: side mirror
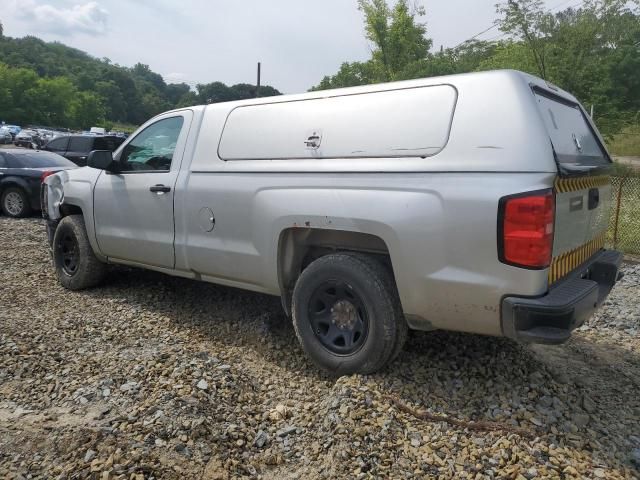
102 160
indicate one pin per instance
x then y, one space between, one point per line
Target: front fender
73 189
52 194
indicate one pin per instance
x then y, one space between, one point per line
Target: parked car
77 147
27 139
476 203
45 135
5 136
21 174
14 129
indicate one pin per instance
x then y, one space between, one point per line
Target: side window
58 144
153 148
107 143
81 144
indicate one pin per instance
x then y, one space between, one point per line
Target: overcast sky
200 41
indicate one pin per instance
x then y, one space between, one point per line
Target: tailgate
583 197
582 216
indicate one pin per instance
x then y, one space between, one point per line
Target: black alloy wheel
77 266
69 253
338 317
347 314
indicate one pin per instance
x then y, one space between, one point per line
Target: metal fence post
617 217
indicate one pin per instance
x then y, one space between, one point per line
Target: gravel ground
157 377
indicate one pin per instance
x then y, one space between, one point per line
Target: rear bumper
552 317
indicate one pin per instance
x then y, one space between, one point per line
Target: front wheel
347 314
76 265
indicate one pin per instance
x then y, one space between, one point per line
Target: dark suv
77 147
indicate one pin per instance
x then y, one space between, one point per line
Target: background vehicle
21 174
14 129
5 136
77 147
476 203
27 139
45 135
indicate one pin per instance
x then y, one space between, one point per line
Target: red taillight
525 229
45 174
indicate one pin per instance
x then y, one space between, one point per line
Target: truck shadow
582 395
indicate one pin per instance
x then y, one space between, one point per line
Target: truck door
133 209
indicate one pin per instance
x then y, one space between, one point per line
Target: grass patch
624 170
120 127
628 237
627 142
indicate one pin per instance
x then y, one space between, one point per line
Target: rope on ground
478 426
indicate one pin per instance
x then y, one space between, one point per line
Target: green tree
242 91
529 22
213 93
176 91
591 51
188 99
144 73
51 100
153 104
350 75
129 95
113 100
397 37
87 110
269 91
400 48
511 55
17 85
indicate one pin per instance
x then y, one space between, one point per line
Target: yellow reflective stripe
566 262
563 185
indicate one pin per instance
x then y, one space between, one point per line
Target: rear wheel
347 314
15 202
76 265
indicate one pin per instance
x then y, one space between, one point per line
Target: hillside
53 84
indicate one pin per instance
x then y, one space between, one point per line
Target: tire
15 202
76 265
347 314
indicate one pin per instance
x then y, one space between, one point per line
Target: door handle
314 137
313 141
160 189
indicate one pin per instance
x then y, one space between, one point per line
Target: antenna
258 82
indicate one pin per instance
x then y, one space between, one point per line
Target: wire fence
624 227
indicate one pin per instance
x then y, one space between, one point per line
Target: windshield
573 139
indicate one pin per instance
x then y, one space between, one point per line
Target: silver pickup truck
477 203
